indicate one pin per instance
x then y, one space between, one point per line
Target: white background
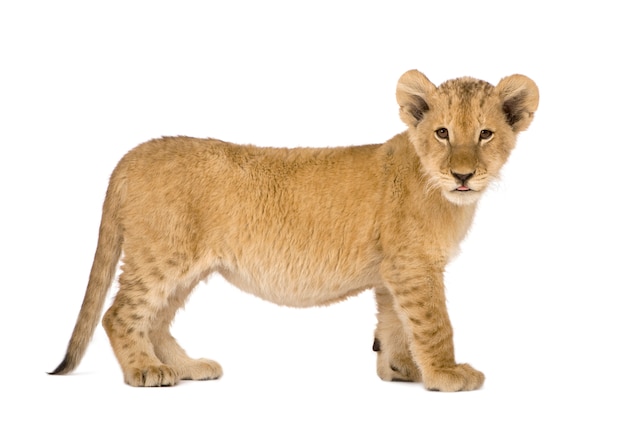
536 297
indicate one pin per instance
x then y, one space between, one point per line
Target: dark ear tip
411 92
418 108
513 108
520 100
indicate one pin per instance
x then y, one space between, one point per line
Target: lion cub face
464 130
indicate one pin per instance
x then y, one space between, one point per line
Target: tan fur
304 227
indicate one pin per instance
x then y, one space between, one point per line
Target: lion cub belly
317 284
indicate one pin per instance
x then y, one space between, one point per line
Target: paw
461 377
392 366
399 371
152 375
201 369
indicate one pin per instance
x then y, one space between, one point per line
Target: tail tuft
64 367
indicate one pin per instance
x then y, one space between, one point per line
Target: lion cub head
464 130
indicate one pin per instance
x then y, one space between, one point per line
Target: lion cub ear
520 98
413 93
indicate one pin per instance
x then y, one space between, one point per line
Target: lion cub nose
462 177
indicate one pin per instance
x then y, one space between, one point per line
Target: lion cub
304 227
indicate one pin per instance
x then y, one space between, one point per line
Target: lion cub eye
442 133
486 134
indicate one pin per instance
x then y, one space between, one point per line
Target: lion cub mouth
462 195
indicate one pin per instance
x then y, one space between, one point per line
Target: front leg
419 301
394 361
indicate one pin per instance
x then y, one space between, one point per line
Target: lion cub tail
102 273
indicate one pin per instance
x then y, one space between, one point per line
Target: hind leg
169 351
394 360
129 322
